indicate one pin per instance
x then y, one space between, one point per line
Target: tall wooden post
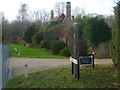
76 50
93 61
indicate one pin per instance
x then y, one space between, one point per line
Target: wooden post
76 50
26 71
93 61
72 68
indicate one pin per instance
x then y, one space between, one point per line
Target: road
0 66
36 64
5 65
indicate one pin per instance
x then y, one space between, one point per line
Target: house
62 17
12 39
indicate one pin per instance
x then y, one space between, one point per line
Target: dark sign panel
85 61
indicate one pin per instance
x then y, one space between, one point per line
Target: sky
10 7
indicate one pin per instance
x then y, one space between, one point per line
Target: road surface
5 65
36 64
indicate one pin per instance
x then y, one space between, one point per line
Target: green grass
103 76
32 52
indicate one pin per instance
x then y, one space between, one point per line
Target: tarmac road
5 65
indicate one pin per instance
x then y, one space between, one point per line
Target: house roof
60 18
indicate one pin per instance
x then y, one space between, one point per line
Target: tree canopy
93 31
115 44
30 32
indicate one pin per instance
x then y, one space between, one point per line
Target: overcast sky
10 7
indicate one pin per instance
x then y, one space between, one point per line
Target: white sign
15 49
73 60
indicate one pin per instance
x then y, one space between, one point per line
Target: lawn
32 52
102 76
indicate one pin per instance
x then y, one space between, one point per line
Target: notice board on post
85 61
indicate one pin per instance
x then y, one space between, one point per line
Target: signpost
76 61
80 61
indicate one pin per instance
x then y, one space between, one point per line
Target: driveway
36 64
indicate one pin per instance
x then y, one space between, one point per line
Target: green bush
54 33
51 24
36 39
56 46
34 42
43 44
30 32
65 52
22 43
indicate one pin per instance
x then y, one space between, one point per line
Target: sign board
85 61
73 60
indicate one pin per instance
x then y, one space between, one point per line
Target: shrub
36 39
56 46
30 32
51 24
43 44
54 33
65 52
22 42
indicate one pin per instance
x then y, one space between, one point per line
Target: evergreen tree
115 44
100 31
92 31
30 32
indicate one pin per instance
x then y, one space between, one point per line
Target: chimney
52 14
68 13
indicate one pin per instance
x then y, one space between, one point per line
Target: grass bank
103 76
32 52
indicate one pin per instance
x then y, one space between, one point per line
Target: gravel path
36 64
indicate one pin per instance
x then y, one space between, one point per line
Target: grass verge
102 76
32 52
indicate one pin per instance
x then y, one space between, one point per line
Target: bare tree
59 8
5 26
41 16
78 11
23 16
23 12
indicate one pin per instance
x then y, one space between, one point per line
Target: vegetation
102 76
32 52
29 33
53 23
92 31
56 46
115 44
36 39
65 52
39 32
53 33
43 44
100 31
49 36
